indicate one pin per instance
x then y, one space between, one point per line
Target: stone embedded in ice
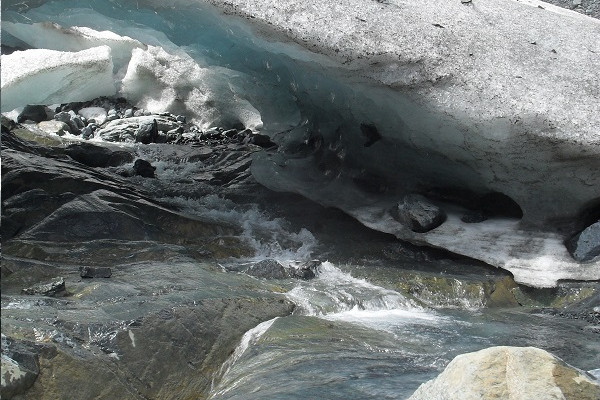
46 76
51 36
585 246
159 81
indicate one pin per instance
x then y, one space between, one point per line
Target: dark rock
496 204
97 156
418 214
261 140
71 119
268 269
585 246
473 217
88 131
95 272
53 288
181 118
147 132
143 168
36 113
306 270
9 227
371 133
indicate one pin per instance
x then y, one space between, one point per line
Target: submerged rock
509 373
53 288
418 214
306 270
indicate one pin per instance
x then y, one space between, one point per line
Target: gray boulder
147 132
268 269
418 214
585 246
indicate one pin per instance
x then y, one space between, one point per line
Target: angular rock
418 214
268 269
585 246
143 168
147 132
509 373
53 288
95 272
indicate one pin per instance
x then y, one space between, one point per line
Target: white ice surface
41 76
51 36
160 81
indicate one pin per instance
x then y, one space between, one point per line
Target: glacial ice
158 81
40 76
51 36
492 97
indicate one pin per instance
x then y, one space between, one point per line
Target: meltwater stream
350 339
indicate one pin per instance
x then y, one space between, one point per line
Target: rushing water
350 339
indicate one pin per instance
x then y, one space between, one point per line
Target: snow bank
41 76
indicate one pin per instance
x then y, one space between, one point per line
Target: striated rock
418 214
53 288
585 246
511 373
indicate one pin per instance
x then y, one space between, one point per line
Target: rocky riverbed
108 277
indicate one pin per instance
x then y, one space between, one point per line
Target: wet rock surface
418 214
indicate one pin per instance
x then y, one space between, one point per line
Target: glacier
370 101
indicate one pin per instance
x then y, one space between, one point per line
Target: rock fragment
418 214
57 286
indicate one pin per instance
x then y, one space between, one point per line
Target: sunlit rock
509 373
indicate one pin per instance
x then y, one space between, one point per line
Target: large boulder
418 214
511 373
585 246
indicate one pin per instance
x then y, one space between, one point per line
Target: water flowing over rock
509 373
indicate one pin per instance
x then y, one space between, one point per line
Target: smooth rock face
40 76
418 214
509 373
